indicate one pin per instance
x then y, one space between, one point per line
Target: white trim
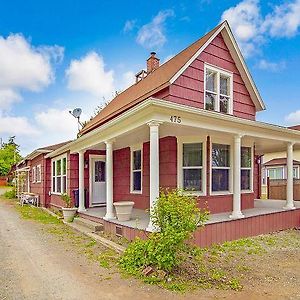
189 140
219 72
38 167
91 179
251 169
55 159
132 149
260 104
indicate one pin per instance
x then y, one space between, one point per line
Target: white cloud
88 74
152 35
24 67
19 126
251 28
128 78
293 118
129 25
284 21
271 66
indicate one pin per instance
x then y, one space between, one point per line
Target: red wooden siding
224 231
188 89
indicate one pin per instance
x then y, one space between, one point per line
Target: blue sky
58 55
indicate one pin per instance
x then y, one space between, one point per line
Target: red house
188 123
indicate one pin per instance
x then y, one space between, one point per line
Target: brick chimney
152 63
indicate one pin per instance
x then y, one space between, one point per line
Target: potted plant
69 211
124 210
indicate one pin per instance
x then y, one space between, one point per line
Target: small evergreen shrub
176 216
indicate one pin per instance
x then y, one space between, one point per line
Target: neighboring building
189 123
34 173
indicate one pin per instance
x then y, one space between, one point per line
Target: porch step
93 226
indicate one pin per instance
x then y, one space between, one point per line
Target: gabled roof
295 127
279 162
168 72
45 150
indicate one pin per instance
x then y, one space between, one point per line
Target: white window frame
297 172
219 72
34 174
180 168
38 174
276 167
223 141
133 148
251 169
61 157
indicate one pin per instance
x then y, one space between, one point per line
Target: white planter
123 210
69 213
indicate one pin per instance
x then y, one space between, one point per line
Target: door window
99 171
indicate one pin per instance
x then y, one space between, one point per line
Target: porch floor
140 218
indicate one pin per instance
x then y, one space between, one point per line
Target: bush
67 200
176 216
11 194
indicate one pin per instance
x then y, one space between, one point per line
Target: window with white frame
220 167
38 173
275 172
296 172
192 166
33 175
59 175
218 90
136 170
246 168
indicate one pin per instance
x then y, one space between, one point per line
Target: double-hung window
220 167
34 174
136 171
246 168
38 173
59 175
192 165
275 173
218 90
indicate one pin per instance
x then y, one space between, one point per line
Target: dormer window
218 90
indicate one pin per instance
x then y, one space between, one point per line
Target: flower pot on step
69 213
124 210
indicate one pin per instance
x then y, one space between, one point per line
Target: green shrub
10 194
176 216
67 199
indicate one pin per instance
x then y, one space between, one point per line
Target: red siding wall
188 89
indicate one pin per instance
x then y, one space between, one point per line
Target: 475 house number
175 119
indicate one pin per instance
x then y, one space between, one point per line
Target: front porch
267 216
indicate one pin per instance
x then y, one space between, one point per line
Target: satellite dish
76 112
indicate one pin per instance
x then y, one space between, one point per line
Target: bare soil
49 261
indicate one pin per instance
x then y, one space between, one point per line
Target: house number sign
175 119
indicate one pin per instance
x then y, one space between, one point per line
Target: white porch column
109 181
154 166
236 212
290 178
81 206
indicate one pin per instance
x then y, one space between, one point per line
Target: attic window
218 90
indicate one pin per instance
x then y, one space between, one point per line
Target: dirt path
35 264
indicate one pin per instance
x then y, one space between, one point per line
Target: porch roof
268 137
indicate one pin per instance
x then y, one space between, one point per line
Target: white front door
98 182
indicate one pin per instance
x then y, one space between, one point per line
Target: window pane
192 155
220 155
64 166
137 159
245 179
53 168
246 157
64 184
210 101
220 180
99 171
224 85
295 172
211 81
58 167
275 173
137 181
58 184
224 104
53 184
192 179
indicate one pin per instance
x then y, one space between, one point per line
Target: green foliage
67 200
10 194
9 155
176 216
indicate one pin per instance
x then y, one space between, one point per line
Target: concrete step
93 226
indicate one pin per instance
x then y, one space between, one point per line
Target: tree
9 155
